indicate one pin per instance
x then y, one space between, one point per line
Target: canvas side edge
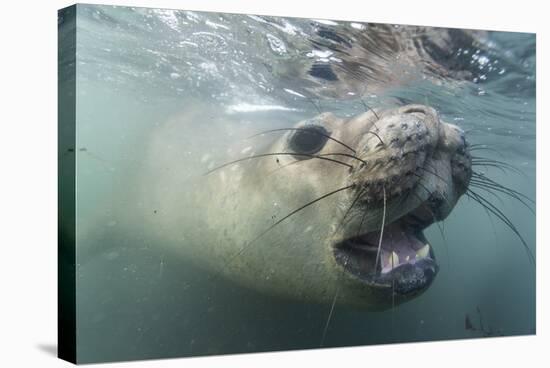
67 184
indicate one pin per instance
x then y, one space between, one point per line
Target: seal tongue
399 246
405 264
396 257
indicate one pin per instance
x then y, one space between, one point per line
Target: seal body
324 206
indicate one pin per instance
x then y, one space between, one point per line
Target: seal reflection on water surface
330 206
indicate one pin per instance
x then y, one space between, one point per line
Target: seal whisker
329 317
350 208
434 174
488 159
302 129
486 189
490 188
368 108
392 299
276 154
487 166
480 161
488 180
501 216
317 107
381 231
476 198
322 155
422 185
429 192
377 136
438 176
290 214
345 155
508 191
361 223
435 221
365 106
490 220
481 147
468 131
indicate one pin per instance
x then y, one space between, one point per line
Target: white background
28 182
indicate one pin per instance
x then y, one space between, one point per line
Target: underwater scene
250 183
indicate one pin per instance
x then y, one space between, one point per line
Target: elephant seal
329 206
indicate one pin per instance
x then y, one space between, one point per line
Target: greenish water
137 68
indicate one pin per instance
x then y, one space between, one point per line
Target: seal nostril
414 109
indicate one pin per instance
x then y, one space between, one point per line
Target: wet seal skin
328 205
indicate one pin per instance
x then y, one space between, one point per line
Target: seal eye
308 140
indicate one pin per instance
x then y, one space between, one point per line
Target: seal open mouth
405 263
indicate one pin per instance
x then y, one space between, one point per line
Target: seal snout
394 150
413 169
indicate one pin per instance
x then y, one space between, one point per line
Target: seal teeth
423 252
393 260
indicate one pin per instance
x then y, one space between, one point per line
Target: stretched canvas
234 183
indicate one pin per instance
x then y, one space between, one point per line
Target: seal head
408 171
